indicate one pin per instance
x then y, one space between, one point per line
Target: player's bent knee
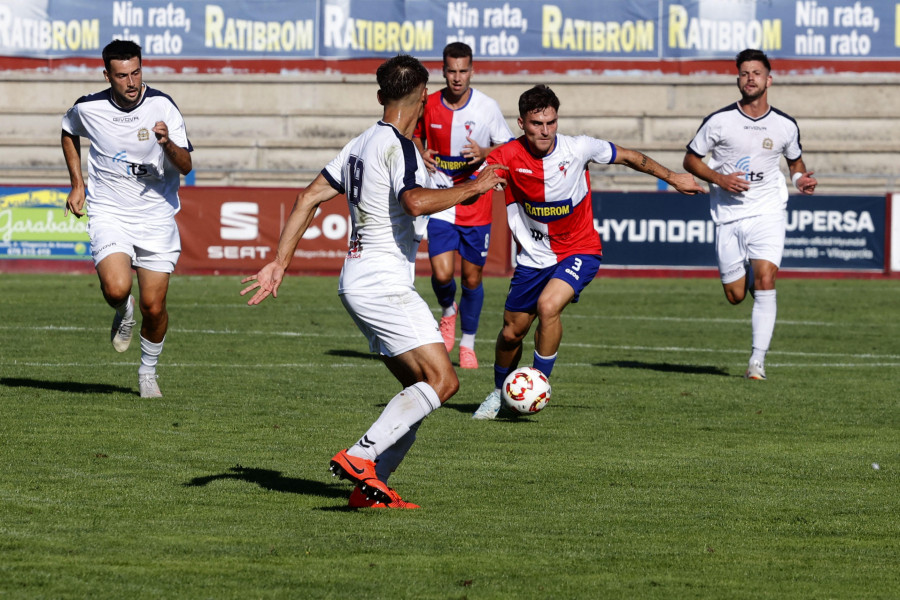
445 386
511 337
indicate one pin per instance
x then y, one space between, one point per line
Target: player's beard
757 93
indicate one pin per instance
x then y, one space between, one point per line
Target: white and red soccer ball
526 390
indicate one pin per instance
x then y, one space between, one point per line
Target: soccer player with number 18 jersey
383 177
548 206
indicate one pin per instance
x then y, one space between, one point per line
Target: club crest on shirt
470 125
563 165
767 144
143 134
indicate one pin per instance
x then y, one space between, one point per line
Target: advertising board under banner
32 225
670 230
237 230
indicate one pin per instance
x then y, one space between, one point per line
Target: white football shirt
752 146
373 171
129 177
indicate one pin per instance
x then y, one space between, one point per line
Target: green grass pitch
656 471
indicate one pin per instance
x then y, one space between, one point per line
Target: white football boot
489 408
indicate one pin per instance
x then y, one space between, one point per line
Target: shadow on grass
274 481
353 354
505 415
73 387
666 367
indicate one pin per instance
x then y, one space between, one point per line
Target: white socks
763 323
149 356
388 461
404 411
126 309
467 340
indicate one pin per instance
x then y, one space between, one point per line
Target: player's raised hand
473 152
492 177
684 183
266 282
162 132
428 159
806 183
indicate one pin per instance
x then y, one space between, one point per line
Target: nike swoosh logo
357 471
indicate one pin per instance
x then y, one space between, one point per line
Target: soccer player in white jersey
383 177
748 195
139 150
548 206
459 129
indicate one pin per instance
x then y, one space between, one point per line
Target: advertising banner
237 230
32 226
655 30
662 230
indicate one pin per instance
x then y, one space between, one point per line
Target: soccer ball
526 390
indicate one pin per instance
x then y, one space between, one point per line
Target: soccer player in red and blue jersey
459 128
548 206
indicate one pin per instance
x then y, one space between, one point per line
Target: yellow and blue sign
32 225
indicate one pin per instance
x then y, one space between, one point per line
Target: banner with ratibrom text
655 30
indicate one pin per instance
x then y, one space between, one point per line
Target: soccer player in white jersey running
748 195
458 130
139 150
548 207
383 177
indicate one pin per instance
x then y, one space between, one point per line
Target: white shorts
393 323
755 238
151 246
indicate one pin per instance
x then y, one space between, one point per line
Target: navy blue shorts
470 241
527 283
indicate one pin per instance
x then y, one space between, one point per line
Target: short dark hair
400 76
752 54
120 50
536 99
457 50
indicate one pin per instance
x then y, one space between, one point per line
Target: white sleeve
500 132
792 150
177 129
71 122
703 141
334 170
596 150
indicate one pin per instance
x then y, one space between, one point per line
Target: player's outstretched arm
640 162
71 146
267 281
423 201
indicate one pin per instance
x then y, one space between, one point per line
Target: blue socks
470 305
